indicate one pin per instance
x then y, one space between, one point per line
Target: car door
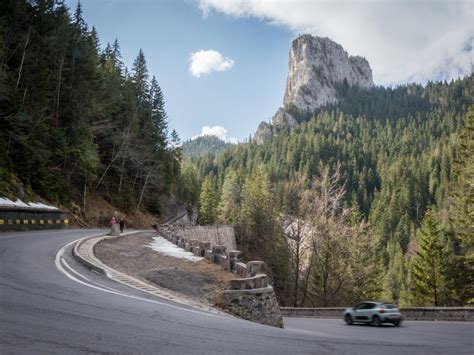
369 311
360 311
365 312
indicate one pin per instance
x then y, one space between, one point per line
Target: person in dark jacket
122 224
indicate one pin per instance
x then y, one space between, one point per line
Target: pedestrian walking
112 221
122 224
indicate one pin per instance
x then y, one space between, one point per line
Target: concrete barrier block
249 283
255 267
223 261
233 257
240 269
208 255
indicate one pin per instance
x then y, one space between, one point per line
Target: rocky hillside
316 66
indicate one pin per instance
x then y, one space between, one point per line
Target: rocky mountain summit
316 65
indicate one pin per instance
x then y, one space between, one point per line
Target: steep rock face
282 120
316 65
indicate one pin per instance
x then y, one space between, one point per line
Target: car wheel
348 319
376 321
397 323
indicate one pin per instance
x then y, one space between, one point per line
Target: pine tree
207 201
158 114
229 206
394 283
431 264
140 79
116 56
461 213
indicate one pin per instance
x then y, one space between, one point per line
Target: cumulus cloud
403 40
218 131
206 61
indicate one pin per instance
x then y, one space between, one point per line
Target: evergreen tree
72 119
462 211
207 201
394 282
229 206
140 79
158 114
431 265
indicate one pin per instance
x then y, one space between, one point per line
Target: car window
365 305
371 305
389 306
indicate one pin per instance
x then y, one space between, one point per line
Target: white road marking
59 266
64 262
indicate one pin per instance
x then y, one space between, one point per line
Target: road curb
83 252
85 261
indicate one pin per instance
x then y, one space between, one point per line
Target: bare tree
342 246
297 233
329 234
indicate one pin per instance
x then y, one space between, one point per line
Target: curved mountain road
46 310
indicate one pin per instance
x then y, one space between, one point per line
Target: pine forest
368 198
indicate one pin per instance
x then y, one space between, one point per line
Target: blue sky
403 40
169 31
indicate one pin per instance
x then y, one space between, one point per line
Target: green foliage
187 188
229 205
260 233
208 200
400 151
72 118
200 146
431 265
395 279
462 211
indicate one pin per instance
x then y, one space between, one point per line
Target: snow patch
165 247
20 203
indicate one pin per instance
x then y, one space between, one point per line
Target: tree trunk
144 187
84 197
58 89
121 175
23 58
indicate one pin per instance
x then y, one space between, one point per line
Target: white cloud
403 40
206 61
218 131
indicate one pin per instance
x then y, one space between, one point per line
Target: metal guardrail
20 219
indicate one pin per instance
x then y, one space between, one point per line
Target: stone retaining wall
251 297
257 305
412 313
216 235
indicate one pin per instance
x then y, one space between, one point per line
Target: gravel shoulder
131 255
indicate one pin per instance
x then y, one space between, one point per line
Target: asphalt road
42 310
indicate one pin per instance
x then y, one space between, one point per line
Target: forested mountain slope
199 146
396 152
73 119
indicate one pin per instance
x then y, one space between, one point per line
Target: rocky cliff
316 65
